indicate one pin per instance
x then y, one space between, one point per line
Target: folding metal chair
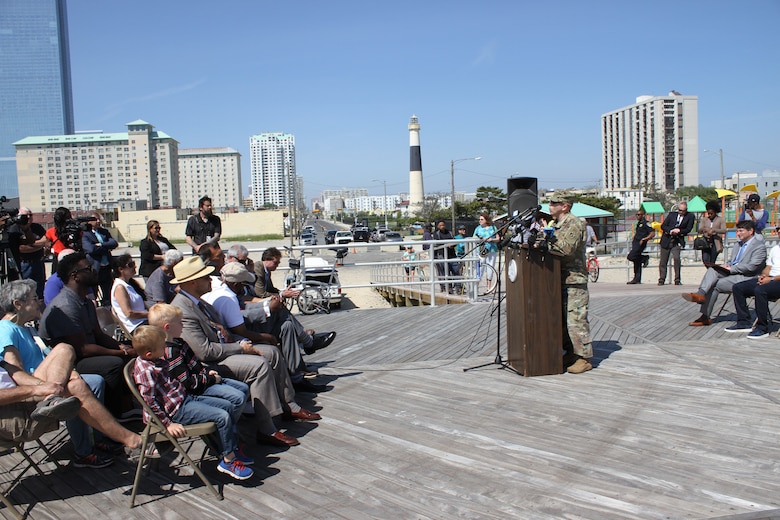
155 428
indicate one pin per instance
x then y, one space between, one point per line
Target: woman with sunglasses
127 297
152 248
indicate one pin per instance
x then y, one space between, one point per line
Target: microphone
526 215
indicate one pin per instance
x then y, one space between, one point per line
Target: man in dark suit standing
98 244
675 227
747 261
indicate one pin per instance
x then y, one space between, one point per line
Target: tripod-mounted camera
9 270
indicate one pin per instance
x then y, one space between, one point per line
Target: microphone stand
498 360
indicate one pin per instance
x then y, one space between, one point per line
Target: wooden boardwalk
674 422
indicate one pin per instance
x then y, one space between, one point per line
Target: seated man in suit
747 261
260 366
764 288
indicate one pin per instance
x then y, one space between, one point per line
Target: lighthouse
416 191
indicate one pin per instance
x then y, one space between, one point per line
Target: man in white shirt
764 288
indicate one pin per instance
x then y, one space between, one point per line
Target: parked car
307 239
318 269
343 237
361 235
378 235
310 229
330 236
394 236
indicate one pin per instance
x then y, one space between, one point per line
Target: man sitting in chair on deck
747 261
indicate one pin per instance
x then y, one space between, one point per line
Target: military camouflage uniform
570 242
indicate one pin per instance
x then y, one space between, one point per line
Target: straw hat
190 268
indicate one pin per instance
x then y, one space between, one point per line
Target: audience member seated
19 350
127 297
260 366
240 254
54 283
153 249
71 318
747 260
158 285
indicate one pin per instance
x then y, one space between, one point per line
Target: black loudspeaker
521 193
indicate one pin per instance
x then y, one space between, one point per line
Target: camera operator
29 245
98 243
753 211
66 233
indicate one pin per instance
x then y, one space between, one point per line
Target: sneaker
739 327
757 334
245 459
580 366
235 468
93 460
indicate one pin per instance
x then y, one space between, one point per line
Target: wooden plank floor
674 422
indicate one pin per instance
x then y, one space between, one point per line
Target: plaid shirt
163 394
185 367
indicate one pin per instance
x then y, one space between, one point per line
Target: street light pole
722 171
384 201
452 186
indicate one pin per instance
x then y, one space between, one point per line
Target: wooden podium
533 312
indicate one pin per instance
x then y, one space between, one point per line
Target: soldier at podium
568 239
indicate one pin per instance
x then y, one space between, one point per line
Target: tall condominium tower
416 191
215 172
654 142
272 168
89 171
35 87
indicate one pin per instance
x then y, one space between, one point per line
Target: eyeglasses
84 269
130 264
156 227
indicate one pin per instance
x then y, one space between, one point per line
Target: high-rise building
89 171
215 172
652 143
35 86
273 173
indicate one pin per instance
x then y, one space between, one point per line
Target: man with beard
203 228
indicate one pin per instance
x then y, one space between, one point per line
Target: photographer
753 211
29 245
675 228
55 234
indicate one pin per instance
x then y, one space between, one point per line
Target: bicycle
313 296
481 273
592 264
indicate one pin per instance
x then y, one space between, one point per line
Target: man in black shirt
205 227
29 245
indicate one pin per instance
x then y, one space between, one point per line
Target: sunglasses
84 269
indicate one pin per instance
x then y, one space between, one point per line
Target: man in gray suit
260 366
747 261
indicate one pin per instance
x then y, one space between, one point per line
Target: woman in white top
127 297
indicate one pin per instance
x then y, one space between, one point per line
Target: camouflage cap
562 196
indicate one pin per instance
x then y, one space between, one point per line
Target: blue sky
521 84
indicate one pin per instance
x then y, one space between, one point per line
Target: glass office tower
35 87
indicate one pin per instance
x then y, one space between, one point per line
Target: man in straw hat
260 366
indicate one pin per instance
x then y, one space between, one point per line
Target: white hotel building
215 172
97 170
655 141
272 163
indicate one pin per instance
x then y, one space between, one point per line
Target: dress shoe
702 321
678 282
308 386
694 297
320 341
633 282
660 282
301 415
276 439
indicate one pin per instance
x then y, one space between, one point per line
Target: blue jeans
235 392
201 408
81 435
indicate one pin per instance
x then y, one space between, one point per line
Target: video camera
13 214
71 232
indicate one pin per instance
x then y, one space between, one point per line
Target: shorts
16 425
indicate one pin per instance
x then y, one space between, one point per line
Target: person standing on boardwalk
713 228
203 228
569 240
643 233
675 228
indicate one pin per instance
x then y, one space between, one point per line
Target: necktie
739 254
679 220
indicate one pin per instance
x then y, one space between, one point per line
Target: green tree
489 199
690 192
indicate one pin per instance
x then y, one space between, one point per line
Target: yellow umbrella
773 195
749 187
724 193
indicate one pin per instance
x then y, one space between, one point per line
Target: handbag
700 243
